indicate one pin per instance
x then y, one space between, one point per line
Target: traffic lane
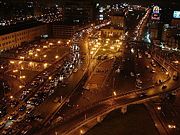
129 98
72 121
108 105
123 80
72 82
140 64
21 102
48 107
160 88
87 97
146 75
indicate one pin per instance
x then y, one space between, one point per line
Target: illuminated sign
156 13
156 10
176 14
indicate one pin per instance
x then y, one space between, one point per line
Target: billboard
176 14
155 13
156 10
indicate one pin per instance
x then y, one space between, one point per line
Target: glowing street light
12 62
114 93
20 86
91 52
45 65
20 62
93 49
56 56
30 63
171 126
112 47
45 46
132 50
158 108
30 53
96 45
81 132
21 57
22 77
45 56
14 71
38 50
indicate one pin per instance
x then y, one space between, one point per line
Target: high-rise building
116 29
78 11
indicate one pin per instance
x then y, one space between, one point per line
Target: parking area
27 61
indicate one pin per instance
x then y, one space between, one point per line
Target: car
2 124
26 129
153 71
56 99
75 70
22 108
164 87
143 94
21 117
147 67
132 74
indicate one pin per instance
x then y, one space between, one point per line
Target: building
171 37
111 31
116 29
175 22
118 20
16 38
78 11
154 31
63 30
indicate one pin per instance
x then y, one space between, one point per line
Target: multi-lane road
60 107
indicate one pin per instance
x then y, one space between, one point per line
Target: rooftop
18 27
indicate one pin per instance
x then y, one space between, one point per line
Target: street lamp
56 56
12 62
81 132
158 108
45 65
114 93
38 50
20 86
19 62
112 47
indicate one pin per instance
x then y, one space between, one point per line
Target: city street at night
89 67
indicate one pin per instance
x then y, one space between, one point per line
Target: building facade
15 39
64 31
116 29
78 11
171 37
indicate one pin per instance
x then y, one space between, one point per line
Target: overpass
98 110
